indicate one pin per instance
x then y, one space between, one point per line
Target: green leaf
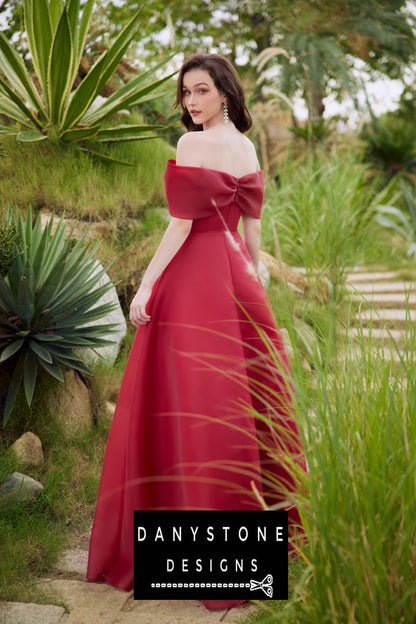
83 28
28 234
130 93
75 364
47 337
11 349
8 130
29 376
16 73
30 136
66 352
7 299
11 110
36 241
83 96
52 368
21 104
73 7
39 34
125 132
117 50
39 251
144 137
108 158
98 75
14 386
55 8
40 351
11 326
80 134
59 68
68 333
25 308
15 273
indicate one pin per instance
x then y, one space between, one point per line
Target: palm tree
322 39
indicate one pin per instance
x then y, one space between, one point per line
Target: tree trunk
315 101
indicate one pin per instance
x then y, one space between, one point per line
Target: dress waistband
213 231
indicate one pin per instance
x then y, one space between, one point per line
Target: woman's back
225 150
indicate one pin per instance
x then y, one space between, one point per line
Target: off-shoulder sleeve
250 193
195 193
186 192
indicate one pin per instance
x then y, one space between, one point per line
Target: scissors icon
265 585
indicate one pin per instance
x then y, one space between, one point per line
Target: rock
19 487
264 274
73 562
28 448
115 318
110 408
284 273
28 613
70 401
101 600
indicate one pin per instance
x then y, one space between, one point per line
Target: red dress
183 434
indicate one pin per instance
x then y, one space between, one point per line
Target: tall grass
320 216
356 413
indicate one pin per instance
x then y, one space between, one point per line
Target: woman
207 350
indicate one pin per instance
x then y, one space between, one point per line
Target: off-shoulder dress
185 434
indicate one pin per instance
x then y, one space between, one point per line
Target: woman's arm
251 232
173 239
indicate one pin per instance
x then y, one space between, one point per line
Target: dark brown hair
226 81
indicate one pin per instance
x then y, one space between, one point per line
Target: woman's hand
138 314
173 239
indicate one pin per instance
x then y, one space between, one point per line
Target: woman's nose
192 98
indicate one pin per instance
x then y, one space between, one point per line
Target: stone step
31 613
377 353
396 318
379 335
382 287
386 300
382 276
100 603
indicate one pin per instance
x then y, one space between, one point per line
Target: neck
219 126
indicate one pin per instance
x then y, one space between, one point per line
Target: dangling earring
225 112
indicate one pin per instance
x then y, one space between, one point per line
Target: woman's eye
202 91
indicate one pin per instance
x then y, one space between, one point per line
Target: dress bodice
212 198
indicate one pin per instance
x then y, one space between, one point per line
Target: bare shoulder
249 153
186 149
249 146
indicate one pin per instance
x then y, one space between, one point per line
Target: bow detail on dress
248 193
190 191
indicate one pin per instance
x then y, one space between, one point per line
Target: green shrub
46 299
390 144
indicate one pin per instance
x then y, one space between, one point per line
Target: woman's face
202 99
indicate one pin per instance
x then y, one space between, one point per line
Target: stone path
100 603
387 309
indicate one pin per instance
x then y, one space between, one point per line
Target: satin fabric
183 434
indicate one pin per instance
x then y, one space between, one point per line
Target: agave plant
56 33
48 295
